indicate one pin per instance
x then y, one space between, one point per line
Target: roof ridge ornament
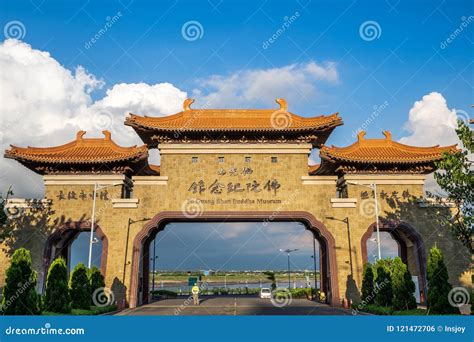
388 135
282 103
107 135
187 104
360 136
80 135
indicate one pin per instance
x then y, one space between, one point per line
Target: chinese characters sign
81 195
217 187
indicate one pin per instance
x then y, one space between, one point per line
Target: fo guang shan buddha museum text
231 165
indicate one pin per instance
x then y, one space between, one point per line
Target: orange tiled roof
234 120
79 151
383 151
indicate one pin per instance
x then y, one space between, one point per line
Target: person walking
195 292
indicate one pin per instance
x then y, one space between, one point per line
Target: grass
94 310
231 278
385 311
414 312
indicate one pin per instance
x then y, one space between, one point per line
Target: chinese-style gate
237 165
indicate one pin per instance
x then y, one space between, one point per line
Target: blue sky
145 45
381 64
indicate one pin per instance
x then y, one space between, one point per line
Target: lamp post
154 260
288 251
373 187
91 241
314 262
225 280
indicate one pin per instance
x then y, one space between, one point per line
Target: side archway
411 248
155 225
58 242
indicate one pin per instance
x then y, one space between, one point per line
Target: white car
265 292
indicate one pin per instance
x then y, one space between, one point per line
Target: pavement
233 305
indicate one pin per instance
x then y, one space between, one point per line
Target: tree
368 295
96 280
19 294
456 179
79 287
271 277
57 298
5 230
383 284
438 284
402 285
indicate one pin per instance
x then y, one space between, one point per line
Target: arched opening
232 256
391 246
398 239
140 281
71 241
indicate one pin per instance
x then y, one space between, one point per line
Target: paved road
230 305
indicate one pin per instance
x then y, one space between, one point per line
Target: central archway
158 223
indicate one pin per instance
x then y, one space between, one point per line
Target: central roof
252 124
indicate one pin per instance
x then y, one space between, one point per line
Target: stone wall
175 190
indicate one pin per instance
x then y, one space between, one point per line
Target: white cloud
294 82
45 104
431 122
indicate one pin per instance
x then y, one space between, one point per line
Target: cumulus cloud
45 104
262 86
50 103
431 122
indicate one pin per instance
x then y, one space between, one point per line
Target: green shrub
378 310
413 312
57 298
368 295
403 286
383 285
438 285
165 293
96 280
271 276
19 295
301 293
80 288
